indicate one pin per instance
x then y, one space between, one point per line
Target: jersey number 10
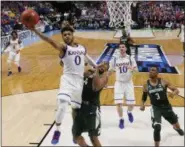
123 69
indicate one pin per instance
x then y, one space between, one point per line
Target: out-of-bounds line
47 124
33 143
46 134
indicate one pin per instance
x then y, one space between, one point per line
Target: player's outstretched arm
174 89
144 97
90 61
100 81
58 46
6 47
112 66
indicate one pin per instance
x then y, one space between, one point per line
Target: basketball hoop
120 14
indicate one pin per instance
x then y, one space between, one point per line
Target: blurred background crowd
90 15
160 14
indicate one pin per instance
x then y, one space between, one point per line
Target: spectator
159 14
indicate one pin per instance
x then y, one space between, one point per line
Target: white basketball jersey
73 60
14 45
119 64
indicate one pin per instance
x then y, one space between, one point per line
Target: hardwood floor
23 116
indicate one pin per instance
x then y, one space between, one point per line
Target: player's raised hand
142 108
171 94
130 67
17 51
99 66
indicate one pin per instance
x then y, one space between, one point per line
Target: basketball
29 18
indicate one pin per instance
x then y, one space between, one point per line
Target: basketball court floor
29 97
139 133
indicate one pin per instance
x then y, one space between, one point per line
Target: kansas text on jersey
73 60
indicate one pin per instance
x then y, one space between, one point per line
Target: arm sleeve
145 93
144 97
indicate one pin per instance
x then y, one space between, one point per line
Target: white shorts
124 90
71 87
13 57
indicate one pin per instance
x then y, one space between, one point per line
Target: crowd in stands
160 14
11 11
93 15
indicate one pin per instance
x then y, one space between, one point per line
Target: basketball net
120 14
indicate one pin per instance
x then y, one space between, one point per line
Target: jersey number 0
77 60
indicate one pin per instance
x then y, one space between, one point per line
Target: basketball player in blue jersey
73 57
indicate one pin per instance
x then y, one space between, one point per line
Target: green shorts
86 121
166 112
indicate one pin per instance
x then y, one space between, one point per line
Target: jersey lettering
156 90
76 52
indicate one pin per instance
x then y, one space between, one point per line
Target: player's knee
62 107
62 104
93 139
16 63
157 127
157 130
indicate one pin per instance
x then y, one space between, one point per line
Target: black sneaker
9 73
180 131
19 69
